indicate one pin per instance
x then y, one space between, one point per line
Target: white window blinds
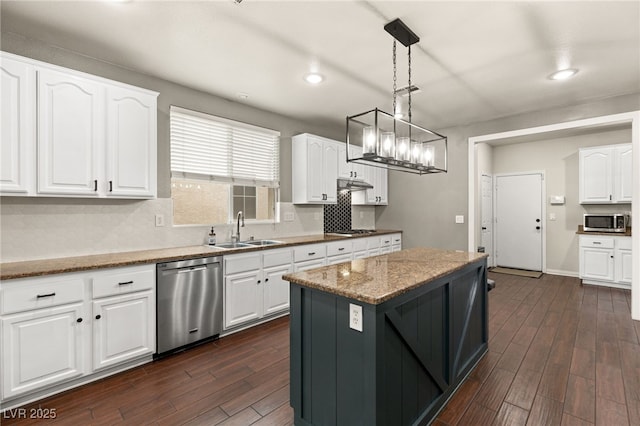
204 146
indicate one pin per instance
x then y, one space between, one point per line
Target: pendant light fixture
388 140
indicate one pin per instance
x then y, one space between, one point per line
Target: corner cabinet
605 174
87 323
93 137
314 169
606 260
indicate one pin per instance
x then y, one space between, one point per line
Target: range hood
353 185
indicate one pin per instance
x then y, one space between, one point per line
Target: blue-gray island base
424 328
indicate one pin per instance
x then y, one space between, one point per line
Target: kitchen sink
232 245
262 242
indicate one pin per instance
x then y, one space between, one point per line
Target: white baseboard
573 274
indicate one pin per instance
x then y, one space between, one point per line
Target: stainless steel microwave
605 222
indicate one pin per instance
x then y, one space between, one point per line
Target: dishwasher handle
192 269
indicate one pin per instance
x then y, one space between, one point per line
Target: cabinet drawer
276 257
385 241
311 251
241 263
27 296
396 239
601 242
623 243
339 247
123 280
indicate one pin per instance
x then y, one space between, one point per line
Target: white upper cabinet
131 138
70 134
605 174
94 137
314 169
378 195
17 146
348 170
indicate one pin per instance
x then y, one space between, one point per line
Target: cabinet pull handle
126 283
95 184
40 296
350 174
193 330
355 174
597 242
312 253
110 186
341 248
79 320
610 197
98 316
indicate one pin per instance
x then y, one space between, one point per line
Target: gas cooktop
352 232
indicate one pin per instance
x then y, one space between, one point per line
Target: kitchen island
385 340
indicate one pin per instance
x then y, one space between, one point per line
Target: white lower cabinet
42 348
605 260
53 326
253 285
122 328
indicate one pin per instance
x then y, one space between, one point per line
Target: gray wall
425 206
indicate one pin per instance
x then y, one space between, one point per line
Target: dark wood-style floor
559 354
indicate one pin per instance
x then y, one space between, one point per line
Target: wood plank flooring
559 354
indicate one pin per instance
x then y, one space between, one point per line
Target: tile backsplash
44 228
337 217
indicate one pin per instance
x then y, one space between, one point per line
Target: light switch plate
159 220
355 317
289 217
459 218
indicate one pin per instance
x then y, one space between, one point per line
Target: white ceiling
475 60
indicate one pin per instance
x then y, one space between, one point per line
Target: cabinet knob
538 220
98 316
266 279
537 227
258 281
79 320
612 257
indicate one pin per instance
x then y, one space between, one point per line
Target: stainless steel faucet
240 216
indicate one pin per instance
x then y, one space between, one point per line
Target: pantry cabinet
314 169
94 137
605 174
63 330
18 137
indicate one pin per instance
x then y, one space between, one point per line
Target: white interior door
519 221
486 216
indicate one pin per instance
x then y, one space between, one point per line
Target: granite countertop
34 268
379 278
627 233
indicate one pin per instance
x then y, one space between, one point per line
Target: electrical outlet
159 220
459 218
355 317
289 217
552 216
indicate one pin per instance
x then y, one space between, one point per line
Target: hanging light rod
380 139
401 32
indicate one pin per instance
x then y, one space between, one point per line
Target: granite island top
377 279
34 268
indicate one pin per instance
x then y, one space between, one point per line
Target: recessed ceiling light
563 74
314 78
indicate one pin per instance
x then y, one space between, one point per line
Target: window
220 167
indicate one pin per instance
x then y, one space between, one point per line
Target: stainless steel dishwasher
189 303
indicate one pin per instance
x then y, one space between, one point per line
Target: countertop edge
53 266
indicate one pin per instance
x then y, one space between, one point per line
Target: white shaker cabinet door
131 143
624 174
41 348
276 290
243 298
123 328
70 134
17 146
